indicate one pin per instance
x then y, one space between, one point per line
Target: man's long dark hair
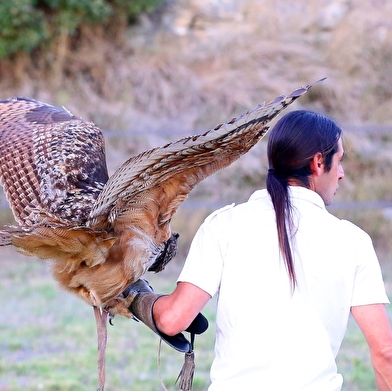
293 142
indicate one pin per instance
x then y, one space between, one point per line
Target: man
287 274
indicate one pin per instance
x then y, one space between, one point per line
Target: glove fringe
185 377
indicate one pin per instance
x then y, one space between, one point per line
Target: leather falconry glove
142 309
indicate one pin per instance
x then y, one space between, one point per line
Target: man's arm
375 326
175 312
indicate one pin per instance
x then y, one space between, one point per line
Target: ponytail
278 190
293 142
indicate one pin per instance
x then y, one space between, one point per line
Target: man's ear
317 164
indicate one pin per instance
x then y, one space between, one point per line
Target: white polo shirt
268 338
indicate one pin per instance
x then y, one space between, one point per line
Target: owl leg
101 317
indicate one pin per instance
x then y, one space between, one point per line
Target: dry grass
232 56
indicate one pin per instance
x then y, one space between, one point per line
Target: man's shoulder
259 198
351 227
348 230
219 211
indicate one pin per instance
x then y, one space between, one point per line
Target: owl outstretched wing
148 188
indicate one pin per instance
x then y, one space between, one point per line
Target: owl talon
118 306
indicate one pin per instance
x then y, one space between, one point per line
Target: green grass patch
48 339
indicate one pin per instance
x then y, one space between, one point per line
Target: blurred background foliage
187 64
28 25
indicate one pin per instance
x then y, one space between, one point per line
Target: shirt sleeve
369 286
204 263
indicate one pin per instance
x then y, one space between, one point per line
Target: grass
48 340
354 361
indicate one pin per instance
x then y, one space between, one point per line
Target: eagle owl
102 234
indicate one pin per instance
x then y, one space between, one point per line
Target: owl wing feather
52 163
104 233
153 184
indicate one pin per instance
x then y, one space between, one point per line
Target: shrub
22 26
28 24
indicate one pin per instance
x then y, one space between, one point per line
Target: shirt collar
296 192
302 193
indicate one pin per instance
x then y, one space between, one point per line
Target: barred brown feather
50 162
